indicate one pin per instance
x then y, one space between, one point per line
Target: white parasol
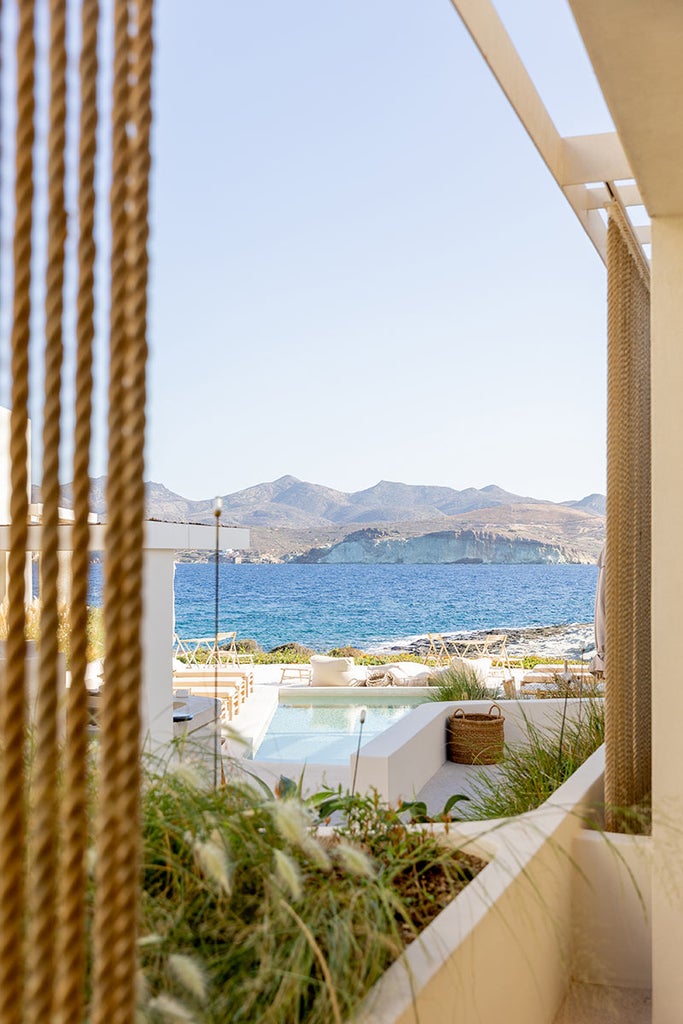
598 661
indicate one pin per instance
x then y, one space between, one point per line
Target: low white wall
409 753
501 951
350 694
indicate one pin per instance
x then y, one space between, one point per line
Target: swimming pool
327 733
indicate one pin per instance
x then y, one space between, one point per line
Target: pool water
324 734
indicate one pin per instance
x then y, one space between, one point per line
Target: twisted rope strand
12 827
133 469
70 984
113 981
42 900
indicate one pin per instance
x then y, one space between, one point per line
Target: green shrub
292 652
94 628
95 633
346 652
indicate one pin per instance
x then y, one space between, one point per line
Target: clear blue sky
361 269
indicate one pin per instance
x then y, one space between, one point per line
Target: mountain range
289 517
292 503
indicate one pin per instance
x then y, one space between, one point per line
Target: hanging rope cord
627 563
109 948
12 714
43 840
71 962
118 825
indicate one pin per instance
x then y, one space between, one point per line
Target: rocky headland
294 521
464 547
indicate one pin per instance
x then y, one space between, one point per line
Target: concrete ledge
350 694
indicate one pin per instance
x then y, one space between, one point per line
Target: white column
157 647
667 616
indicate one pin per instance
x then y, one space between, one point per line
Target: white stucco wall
667 615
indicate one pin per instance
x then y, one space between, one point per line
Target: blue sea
325 606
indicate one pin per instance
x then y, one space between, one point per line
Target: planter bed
501 951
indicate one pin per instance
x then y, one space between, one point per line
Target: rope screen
65 956
627 559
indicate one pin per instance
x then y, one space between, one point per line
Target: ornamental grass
250 914
460 683
531 773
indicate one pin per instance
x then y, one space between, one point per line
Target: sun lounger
552 681
229 697
205 675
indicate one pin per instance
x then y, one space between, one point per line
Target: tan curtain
627 558
65 959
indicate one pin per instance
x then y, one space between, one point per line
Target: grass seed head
190 974
186 774
354 861
287 874
171 1009
315 853
213 863
292 821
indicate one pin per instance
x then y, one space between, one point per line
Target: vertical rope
118 831
133 397
42 896
12 698
55 954
627 570
71 964
109 954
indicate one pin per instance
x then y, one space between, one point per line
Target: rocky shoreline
572 641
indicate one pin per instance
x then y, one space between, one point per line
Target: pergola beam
574 162
490 36
591 158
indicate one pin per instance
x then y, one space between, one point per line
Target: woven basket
475 738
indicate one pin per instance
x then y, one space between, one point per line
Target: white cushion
408 668
480 666
399 677
328 671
